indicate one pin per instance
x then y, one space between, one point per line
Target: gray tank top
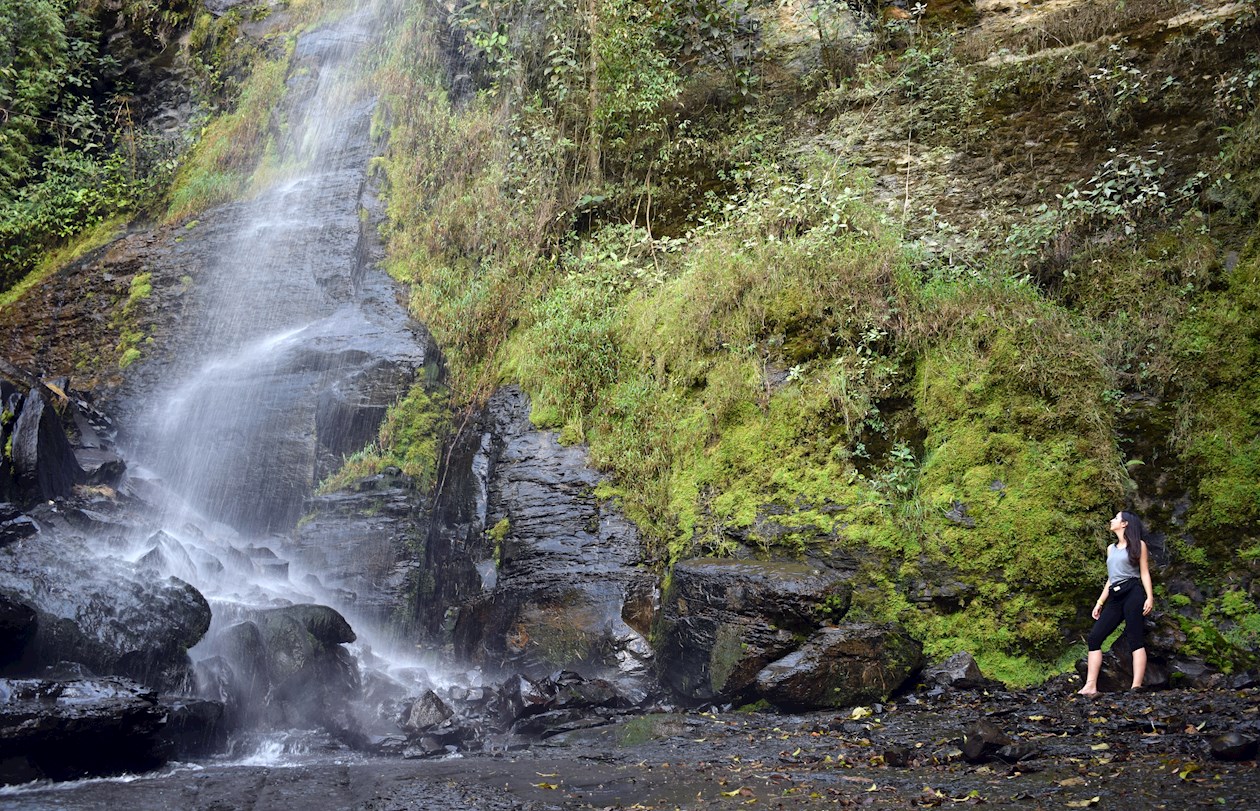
1118 566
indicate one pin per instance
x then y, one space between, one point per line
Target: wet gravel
1131 750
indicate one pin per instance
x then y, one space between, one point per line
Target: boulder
102 612
69 729
17 628
1234 746
425 712
723 621
284 666
43 460
844 666
983 741
959 671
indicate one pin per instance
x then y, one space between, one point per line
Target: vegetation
765 356
739 266
71 155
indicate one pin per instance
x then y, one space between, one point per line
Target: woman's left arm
1149 605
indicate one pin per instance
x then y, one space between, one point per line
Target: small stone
982 741
1234 746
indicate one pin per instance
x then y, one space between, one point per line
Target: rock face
366 544
567 587
723 621
69 729
842 667
101 612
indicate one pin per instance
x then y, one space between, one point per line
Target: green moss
410 438
727 653
1220 350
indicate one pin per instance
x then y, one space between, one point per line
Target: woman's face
1118 523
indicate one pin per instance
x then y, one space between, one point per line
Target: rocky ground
1137 750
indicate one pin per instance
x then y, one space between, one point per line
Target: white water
215 448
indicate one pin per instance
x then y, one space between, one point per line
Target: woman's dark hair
1133 537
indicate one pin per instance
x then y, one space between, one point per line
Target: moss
1220 351
410 438
727 654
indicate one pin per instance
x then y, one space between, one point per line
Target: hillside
928 292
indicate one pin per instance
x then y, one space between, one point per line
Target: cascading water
294 346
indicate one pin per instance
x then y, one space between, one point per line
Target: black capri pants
1123 605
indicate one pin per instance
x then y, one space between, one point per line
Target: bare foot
1087 691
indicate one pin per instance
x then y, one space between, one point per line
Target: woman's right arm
1102 598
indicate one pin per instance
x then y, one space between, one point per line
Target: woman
1122 600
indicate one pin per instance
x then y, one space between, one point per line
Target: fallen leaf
859 713
549 786
1083 803
1072 781
1098 747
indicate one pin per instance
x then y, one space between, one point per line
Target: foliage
231 145
1220 348
70 155
409 439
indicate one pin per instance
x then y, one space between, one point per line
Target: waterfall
290 351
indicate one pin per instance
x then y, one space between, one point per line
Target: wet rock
363 540
103 612
723 621
286 666
570 576
100 466
43 460
1187 672
959 671
15 525
1234 746
70 729
982 741
17 627
194 726
425 713
842 667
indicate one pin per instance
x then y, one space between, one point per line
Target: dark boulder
959 671
983 741
43 460
17 628
723 621
1234 746
71 729
102 612
842 667
284 666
